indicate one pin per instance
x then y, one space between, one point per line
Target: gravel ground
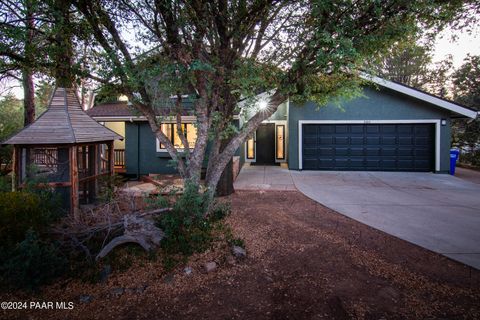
304 261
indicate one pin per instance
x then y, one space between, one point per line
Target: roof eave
421 96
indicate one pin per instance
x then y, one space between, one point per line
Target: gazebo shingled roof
64 122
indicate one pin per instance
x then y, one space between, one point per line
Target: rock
239 252
168 278
210 266
117 292
188 271
231 260
85 298
105 273
141 289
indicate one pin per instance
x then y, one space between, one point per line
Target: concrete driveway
436 211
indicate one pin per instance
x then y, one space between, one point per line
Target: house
392 127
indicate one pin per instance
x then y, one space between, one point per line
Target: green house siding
383 104
141 156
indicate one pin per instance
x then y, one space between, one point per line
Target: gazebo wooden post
96 162
74 199
111 158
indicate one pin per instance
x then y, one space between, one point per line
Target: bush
28 257
21 211
5 183
31 263
187 228
471 158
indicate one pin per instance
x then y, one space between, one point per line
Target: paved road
436 211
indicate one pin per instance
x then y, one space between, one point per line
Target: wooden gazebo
64 149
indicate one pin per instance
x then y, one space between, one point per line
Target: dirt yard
304 262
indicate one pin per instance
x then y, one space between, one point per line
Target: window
170 130
280 142
251 148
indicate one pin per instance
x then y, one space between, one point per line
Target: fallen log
138 229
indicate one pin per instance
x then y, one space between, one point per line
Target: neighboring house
391 128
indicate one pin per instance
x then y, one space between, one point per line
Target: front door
265 144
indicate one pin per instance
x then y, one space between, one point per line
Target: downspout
138 150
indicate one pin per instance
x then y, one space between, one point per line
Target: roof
122 111
421 95
112 109
64 122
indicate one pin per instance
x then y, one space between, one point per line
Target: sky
465 43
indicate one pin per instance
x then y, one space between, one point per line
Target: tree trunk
225 184
29 98
27 72
63 49
222 160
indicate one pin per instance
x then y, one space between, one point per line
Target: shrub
28 257
5 183
21 211
187 228
471 158
31 263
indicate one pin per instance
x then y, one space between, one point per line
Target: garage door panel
310 140
325 140
389 129
424 141
326 151
404 129
357 141
388 164
341 163
311 129
389 141
325 163
388 147
405 140
405 164
342 140
357 151
423 153
372 163
310 152
422 164
373 128
402 152
341 151
373 140
373 151
389 152
356 163
357 129
341 128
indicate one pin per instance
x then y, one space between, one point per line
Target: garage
369 147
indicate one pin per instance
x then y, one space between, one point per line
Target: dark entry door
266 144
380 147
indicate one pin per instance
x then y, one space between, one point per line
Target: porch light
262 105
443 122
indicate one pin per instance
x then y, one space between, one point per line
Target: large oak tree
221 52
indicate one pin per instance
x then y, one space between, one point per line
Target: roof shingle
64 122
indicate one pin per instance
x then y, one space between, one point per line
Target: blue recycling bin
454 153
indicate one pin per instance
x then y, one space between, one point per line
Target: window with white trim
170 130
